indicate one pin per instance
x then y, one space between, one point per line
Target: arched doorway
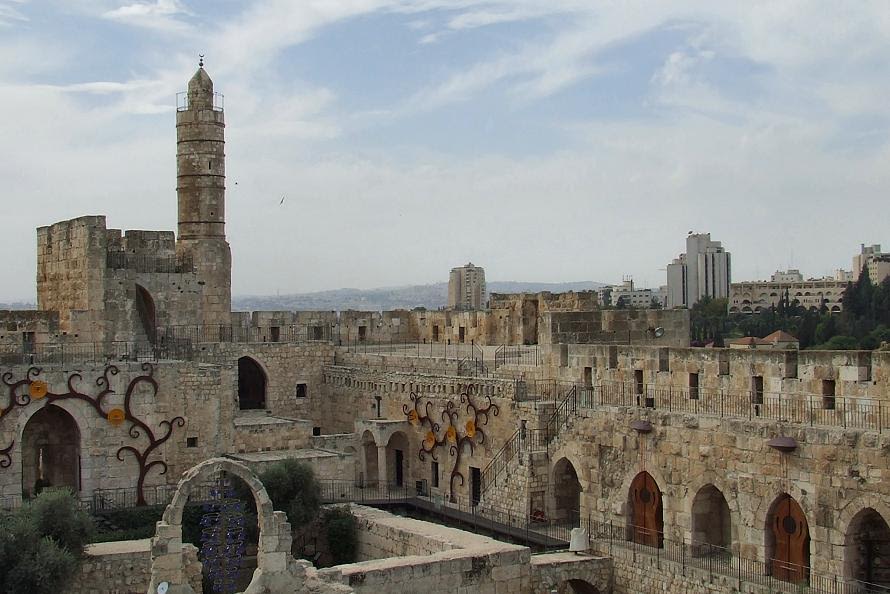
50 451
397 459
369 450
577 586
566 492
356 464
145 305
788 541
644 502
251 384
711 524
867 549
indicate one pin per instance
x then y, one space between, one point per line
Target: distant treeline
864 322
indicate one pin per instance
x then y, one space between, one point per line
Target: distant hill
431 296
18 305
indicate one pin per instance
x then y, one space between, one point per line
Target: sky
545 140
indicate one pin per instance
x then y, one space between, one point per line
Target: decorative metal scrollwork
450 431
222 537
31 387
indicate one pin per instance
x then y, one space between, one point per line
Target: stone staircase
526 442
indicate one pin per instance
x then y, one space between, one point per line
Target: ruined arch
566 492
252 383
711 522
645 518
50 451
867 548
145 306
274 531
787 540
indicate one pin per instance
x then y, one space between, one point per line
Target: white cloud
705 150
9 14
161 14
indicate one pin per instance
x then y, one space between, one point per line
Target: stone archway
50 451
397 467
356 465
275 565
711 522
577 586
566 492
370 459
867 549
251 384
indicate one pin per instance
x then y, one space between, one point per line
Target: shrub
42 543
341 531
293 488
57 515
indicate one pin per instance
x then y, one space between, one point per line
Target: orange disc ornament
471 428
451 434
116 416
38 389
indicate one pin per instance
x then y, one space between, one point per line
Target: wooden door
645 498
791 557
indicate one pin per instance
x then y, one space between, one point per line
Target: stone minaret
201 192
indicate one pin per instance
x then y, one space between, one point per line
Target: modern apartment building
466 287
874 260
704 270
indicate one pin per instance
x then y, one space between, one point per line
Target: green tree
708 318
293 488
340 528
41 544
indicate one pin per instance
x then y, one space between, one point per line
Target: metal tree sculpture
477 417
31 387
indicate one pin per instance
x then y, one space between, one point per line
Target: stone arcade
693 470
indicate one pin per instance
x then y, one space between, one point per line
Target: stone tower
201 193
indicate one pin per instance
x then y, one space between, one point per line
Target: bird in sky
282 201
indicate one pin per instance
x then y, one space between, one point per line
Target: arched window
50 451
145 305
251 384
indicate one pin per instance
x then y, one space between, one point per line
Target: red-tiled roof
779 336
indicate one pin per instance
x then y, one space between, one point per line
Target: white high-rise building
703 271
466 287
874 260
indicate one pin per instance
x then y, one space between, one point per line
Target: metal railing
82 352
104 500
545 390
479 517
801 409
530 440
647 547
286 333
148 262
409 348
516 355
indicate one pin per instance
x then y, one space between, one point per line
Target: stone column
381 465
